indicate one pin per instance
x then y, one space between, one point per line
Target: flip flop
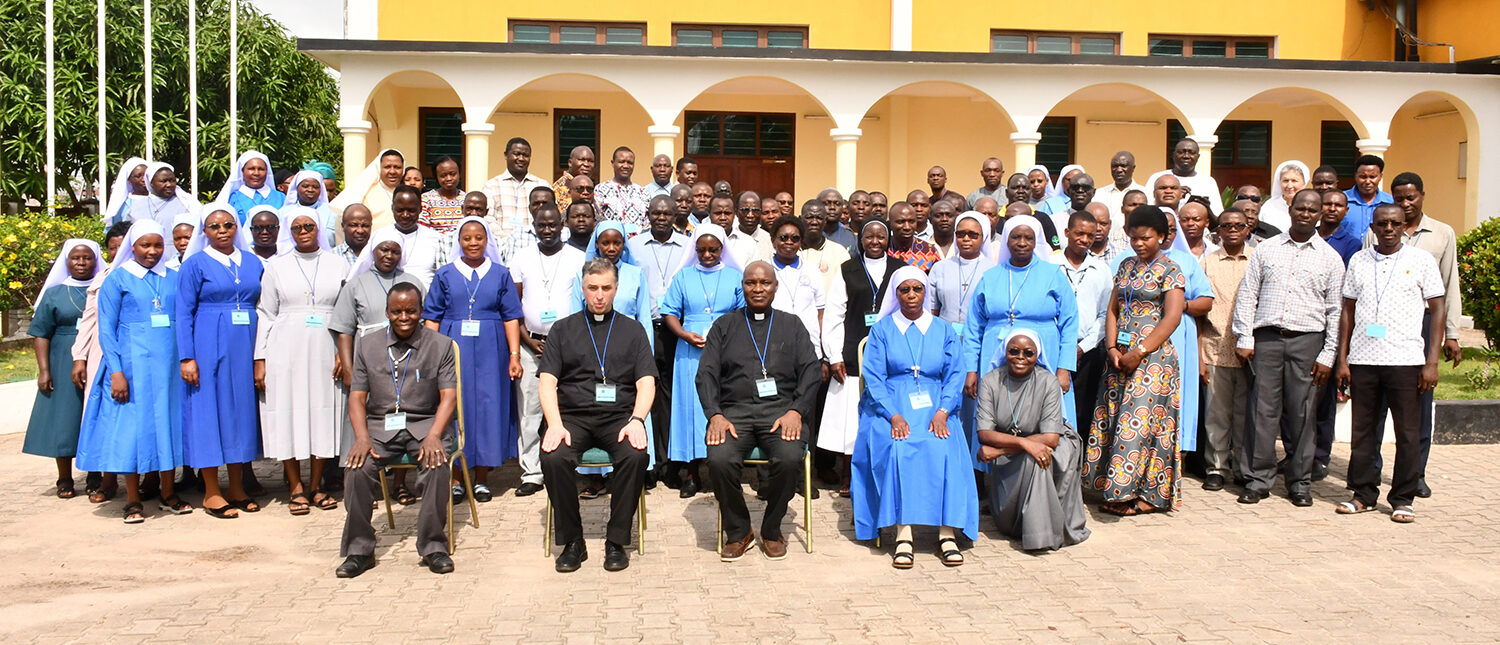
248 505
65 489
326 502
221 512
296 507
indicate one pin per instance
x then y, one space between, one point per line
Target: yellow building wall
1430 148
529 114
1468 24
921 132
832 24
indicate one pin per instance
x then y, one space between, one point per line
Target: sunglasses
219 226
1082 187
1386 224
1017 351
304 228
265 228
789 237
750 210
969 234
1233 226
1253 198
911 289
584 189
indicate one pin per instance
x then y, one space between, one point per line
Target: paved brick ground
1215 571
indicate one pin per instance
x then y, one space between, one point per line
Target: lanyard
397 381
155 291
234 269
761 353
1379 291
472 292
312 297
546 276
874 290
708 295
916 367
603 378
661 265
1013 292
1015 410
1140 273
384 288
964 284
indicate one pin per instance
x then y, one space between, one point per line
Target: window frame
688 115
1072 124
763 32
1075 36
1230 44
422 163
560 164
554 29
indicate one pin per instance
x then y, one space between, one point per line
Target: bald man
1112 194
1166 191
833 227
661 177
1103 247
580 162
989 208
992 173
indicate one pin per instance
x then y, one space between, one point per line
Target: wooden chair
758 458
598 458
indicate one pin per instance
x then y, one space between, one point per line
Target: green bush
29 242
1479 266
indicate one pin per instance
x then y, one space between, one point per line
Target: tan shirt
1224 272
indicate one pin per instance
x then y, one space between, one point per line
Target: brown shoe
774 549
736 550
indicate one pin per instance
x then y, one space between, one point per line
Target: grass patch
1454 383
18 364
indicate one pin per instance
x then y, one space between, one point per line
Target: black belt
1282 331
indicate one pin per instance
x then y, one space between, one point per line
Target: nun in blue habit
251 185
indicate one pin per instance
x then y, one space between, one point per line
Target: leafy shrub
29 242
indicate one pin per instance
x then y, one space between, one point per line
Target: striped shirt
509 199
1295 286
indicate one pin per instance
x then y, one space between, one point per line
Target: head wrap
892 302
366 261
284 241
297 179
859 239
237 178
119 192
690 258
247 239
1002 253
1057 187
1179 243
139 229
200 236
491 247
986 247
60 274
1277 197
613 225
354 191
1002 356
323 168
1045 173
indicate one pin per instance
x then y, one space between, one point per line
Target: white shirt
1276 213
1114 197
1093 285
1199 184
546 283
799 291
1390 294
747 248
423 251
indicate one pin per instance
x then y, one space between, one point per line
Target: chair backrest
861 359
458 425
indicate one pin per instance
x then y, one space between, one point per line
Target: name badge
765 387
516 221
161 320
920 400
870 319
958 326
239 317
470 328
604 393
549 315
1375 331
395 421
632 228
1123 338
313 320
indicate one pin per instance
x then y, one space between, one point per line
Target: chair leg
547 533
450 522
807 499
640 529
385 493
469 488
719 530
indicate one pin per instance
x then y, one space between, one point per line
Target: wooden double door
751 150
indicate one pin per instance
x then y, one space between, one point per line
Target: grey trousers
529 435
1043 507
359 496
1225 425
1285 403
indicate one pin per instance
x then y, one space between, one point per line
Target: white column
901 25
192 10
356 136
664 140
1376 147
476 154
234 77
1025 143
51 195
1206 145
845 158
102 193
146 13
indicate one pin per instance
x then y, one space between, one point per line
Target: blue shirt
1361 214
657 260
843 237
1345 242
242 203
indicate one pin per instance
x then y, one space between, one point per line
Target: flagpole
149 87
50 197
102 192
192 8
234 74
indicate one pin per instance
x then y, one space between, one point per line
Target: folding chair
758 458
598 458
457 456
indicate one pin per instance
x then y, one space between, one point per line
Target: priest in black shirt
597 381
757 380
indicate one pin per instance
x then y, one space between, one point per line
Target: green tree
287 101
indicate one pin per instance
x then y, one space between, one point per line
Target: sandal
103 495
92 482
135 513
65 489
173 504
1352 507
296 507
903 559
222 512
1120 509
594 490
1403 515
404 496
482 492
326 502
951 556
248 505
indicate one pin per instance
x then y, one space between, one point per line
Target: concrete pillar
1375 147
845 158
356 155
1025 149
477 154
1206 145
663 141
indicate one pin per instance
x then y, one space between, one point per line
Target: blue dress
1185 339
1038 297
697 298
490 423
143 434
242 203
920 479
220 417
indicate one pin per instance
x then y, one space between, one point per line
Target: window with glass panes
1209 46
441 133
578 33
740 134
1055 150
575 128
746 36
1340 149
1053 42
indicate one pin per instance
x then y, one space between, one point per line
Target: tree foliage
287 101
1479 265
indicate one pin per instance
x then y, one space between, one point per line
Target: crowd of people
942 356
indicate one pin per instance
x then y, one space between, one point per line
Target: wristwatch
635 418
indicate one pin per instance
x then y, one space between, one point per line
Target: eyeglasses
1386 224
304 228
750 210
1017 351
967 234
784 202
789 237
1253 198
584 189
265 228
1233 226
903 290
219 226
1081 187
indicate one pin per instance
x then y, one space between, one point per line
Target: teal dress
53 430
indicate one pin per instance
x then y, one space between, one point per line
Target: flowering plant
28 244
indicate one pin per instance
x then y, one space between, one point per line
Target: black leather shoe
438 562
689 488
355 565
1301 499
572 556
616 558
1320 472
528 489
1252 497
1213 482
1422 490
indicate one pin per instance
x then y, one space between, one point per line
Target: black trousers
359 495
560 467
1327 409
1376 389
661 408
1086 381
1425 398
726 460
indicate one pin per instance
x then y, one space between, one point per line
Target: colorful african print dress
1132 445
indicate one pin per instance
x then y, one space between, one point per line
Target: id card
1123 338
765 387
870 319
470 328
1375 331
958 326
549 315
920 400
239 317
516 221
604 393
313 320
161 320
395 421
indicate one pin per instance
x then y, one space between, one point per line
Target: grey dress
1041 506
360 310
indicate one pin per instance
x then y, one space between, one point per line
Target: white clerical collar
263 192
922 322
468 272
224 258
136 269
